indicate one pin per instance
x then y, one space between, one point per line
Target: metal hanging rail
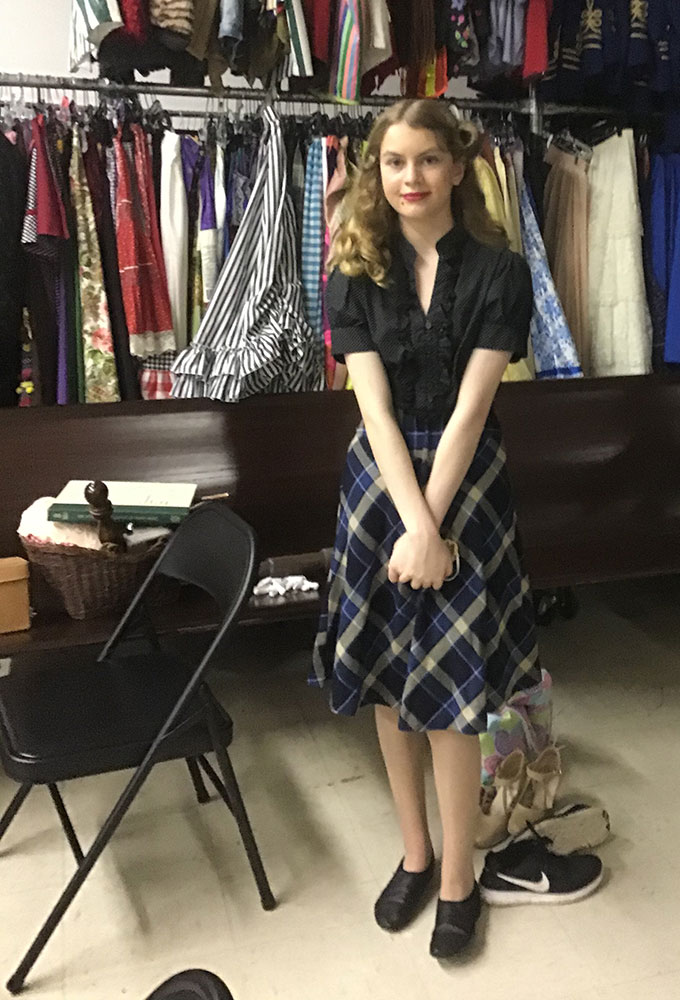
109 88
530 106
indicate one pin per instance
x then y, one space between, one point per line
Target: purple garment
191 153
62 335
208 213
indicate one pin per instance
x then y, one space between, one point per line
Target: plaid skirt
446 658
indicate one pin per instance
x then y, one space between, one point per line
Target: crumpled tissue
277 586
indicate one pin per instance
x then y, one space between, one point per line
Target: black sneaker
528 872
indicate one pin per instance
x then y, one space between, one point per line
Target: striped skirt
446 658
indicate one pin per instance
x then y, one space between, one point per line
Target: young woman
427 307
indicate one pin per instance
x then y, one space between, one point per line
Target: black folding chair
70 714
194 984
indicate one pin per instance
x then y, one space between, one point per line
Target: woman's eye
430 160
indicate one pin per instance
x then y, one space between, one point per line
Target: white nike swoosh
542 886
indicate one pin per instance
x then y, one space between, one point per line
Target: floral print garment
99 363
554 350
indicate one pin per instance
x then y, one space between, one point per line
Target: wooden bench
595 466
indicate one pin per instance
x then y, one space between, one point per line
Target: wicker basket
93 582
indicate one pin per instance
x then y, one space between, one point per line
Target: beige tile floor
174 889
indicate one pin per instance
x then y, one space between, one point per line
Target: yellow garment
524 370
510 201
490 189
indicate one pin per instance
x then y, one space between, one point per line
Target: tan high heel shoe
538 796
510 782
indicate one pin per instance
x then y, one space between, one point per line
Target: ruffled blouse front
482 297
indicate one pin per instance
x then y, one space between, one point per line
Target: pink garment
336 375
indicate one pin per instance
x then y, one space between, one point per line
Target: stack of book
133 503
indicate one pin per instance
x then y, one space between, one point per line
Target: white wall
34 36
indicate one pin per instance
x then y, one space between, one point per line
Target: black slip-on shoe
455 925
402 897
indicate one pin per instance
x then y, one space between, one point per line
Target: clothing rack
530 106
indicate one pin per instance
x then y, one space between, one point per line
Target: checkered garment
443 658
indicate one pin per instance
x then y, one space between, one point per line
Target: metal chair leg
238 808
245 829
66 823
16 982
13 808
216 782
197 780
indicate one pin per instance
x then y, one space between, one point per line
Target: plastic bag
525 722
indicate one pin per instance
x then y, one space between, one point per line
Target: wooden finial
111 534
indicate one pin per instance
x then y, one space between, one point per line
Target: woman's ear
457 172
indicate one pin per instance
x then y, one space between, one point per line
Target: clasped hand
423 560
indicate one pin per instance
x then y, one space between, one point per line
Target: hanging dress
566 241
554 351
174 221
142 267
620 324
442 658
254 337
99 363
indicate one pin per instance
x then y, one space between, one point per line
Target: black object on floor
455 924
528 872
402 897
548 603
194 984
68 713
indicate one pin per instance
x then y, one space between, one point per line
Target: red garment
50 211
155 379
318 15
140 256
135 19
536 48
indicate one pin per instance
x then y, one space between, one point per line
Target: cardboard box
14 604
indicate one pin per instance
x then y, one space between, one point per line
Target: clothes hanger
601 130
158 117
17 109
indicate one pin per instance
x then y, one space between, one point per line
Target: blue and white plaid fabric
446 658
313 230
554 349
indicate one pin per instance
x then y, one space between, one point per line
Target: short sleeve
508 309
346 305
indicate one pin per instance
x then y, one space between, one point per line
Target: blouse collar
448 247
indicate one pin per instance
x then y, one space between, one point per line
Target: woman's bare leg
403 754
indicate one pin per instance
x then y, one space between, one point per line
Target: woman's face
417 174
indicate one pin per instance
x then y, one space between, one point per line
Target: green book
138 503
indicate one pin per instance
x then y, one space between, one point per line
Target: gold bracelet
452 546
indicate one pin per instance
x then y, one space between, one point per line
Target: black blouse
482 297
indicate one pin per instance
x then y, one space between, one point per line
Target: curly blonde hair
362 243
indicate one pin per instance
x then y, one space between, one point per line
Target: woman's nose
412 173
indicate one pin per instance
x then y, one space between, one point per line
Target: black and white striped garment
254 337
